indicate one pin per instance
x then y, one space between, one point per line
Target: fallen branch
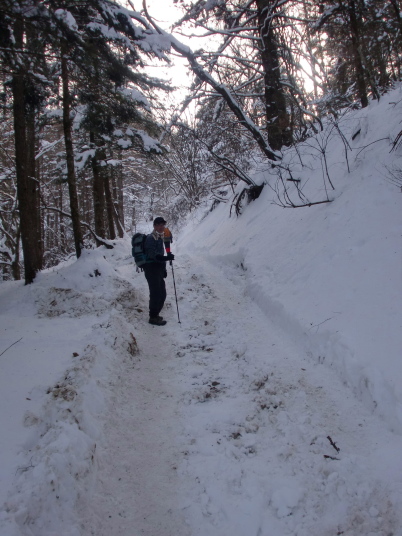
318 325
372 143
252 193
10 346
396 141
333 444
305 205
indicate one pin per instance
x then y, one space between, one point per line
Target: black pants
155 276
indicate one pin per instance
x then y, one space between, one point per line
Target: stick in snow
333 444
10 346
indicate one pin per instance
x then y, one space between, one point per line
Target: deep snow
274 408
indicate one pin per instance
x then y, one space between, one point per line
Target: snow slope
274 408
330 275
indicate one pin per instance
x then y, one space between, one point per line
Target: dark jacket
153 248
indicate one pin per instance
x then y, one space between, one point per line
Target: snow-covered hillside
330 275
273 409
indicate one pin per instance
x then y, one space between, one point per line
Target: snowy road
222 426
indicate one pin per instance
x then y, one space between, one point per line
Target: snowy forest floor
213 427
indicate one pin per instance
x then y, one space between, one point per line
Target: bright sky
165 13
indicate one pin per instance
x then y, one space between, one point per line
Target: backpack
138 249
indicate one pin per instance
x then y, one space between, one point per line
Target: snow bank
74 315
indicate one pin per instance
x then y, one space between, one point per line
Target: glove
165 275
168 257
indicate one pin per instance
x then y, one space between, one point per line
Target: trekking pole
175 293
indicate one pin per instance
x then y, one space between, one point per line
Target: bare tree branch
221 89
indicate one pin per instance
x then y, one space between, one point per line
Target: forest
89 146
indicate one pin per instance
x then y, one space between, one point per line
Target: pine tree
96 48
23 56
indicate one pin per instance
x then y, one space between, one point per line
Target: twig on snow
333 444
10 346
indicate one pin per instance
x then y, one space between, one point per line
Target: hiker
155 270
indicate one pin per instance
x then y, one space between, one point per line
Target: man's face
159 227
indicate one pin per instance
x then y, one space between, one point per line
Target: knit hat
159 220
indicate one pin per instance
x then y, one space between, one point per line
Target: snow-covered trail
221 425
136 486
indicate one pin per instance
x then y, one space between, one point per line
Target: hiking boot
157 321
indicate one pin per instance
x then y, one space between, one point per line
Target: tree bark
356 44
98 193
118 201
15 265
278 121
27 185
109 206
71 179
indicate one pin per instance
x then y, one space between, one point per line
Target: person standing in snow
155 270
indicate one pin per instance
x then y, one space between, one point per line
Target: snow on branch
47 146
221 89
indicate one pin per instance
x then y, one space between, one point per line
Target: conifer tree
98 49
110 86
22 54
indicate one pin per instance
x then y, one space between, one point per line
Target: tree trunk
109 206
98 194
120 196
15 265
278 122
71 179
117 208
27 185
62 230
356 44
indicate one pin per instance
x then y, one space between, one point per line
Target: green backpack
138 249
